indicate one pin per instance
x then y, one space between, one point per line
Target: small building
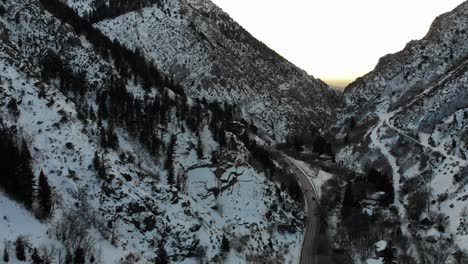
425 221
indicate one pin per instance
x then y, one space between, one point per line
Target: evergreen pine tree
389 192
96 161
199 146
6 255
170 160
161 255
68 258
112 138
36 258
25 178
44 196
320 145
80 257
99 166
225 244
389 254
20 249
92 115
352 123
348 201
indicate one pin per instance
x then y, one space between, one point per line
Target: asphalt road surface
309 245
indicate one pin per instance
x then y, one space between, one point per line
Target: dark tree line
17 177
143 118
44 197
6 254
312 139
354 219
54 68
169 166
382 183
129 63
104 9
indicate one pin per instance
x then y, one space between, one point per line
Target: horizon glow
336 40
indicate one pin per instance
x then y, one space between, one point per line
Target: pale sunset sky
336 40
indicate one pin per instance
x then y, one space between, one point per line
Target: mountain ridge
213 57
407 119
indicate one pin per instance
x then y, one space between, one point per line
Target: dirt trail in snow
384 118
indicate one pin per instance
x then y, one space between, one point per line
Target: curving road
309 245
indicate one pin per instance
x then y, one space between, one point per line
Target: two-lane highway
309 245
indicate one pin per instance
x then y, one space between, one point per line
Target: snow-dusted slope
214 58
132 209
409 118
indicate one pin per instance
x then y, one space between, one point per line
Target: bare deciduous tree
437 253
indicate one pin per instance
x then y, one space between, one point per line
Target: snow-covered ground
316 176
214 58
135 199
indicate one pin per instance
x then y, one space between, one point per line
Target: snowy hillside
408 118
200 46
145 131
139 173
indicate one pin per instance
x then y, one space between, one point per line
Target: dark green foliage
382 183
460 256
20 249
143 118
68 258
96 161
6 255
310 138
352 123
357 223
199 147
321 146
36 258
389 254
108 9
298 142
16 178
225 244
44 196
109 138
221 121
348 201
161 255
79 257
169 166
127 61
25 177
99 166
295 191
13 105
417 203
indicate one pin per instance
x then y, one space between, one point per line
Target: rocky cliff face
214 58
409 118
137 173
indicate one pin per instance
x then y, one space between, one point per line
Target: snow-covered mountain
150 122
139 171
213 57
408 118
